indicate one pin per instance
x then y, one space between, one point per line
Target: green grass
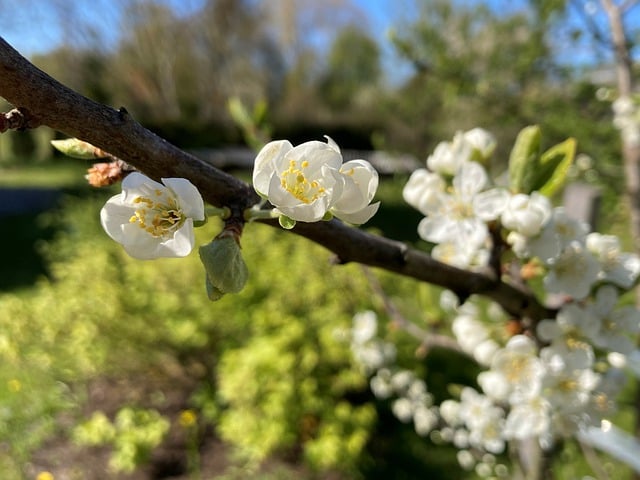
56 173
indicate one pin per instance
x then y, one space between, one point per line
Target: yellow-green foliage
280 370
134 434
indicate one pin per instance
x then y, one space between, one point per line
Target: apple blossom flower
361 183
567 353
529 418
526 214
568 389
556 233
308 181
367 350
423 190
424 420
460 216
573 273
483 419
302 182
572 323
481 140
461 256
516 371
616 267
380 384
617 325
450 412
568 229
469 332
448 157
151 219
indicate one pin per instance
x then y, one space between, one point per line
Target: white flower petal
189 197
265 162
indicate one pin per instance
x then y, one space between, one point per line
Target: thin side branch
427 339
114 131
17 119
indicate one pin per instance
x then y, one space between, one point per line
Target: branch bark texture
50 103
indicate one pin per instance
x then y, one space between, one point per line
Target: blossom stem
223 212
251 214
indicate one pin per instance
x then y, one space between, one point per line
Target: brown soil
68 461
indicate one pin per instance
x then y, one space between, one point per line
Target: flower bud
225 267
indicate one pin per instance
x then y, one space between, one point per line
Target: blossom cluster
556 378
309 181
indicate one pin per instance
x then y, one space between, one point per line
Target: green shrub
278 371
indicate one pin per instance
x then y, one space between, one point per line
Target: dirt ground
68 461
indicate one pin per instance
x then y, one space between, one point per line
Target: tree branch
51 103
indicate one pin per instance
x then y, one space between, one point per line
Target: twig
17 119
427 339
593 461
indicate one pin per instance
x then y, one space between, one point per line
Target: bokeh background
115 368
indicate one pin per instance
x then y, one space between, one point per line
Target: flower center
294 181
158 217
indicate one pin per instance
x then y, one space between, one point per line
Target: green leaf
554 166
225 267
286 222
260 110
523 159
72 147
239 112
212 292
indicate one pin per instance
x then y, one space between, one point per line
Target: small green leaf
239 112
286 222
225 267
72 147
554 167
212 292
523 159
260 110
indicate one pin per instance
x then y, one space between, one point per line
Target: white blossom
526 214
448 157
573 273
572 322
450 412
483 420
469 332
529 418
481 140
461 256
568 353
617 325
424 420
365 326
308 181
380 384
516 371
361 183
460 216
423 191
151 219
402 409
616 267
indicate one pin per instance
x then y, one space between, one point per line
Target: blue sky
36 26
